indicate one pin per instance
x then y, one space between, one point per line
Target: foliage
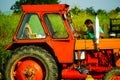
117 9
90 10
113 14
17 6
8 25
3 55
75 10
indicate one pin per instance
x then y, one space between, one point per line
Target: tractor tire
30 63
110 75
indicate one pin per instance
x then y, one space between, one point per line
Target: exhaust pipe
96 31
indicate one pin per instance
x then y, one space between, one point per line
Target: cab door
62 42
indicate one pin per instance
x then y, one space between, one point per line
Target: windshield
31 28
55 25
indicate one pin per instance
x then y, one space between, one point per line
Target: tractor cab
34 22
46 26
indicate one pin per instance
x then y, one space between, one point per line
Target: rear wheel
113 74
30 63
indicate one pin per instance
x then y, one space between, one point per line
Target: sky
82 4
96 4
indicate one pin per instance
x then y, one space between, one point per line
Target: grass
8 24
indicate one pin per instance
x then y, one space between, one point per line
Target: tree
113 13
75 10
90 10
117 9
16 7
100 11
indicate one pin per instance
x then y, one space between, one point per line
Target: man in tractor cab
90 29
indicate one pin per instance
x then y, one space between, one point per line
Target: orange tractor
45 47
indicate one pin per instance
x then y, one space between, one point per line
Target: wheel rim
28 70
116 78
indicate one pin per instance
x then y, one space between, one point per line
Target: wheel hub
29 73
28 70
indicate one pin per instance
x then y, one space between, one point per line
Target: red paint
28 67
72 74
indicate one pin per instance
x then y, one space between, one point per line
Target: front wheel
113 74
31 63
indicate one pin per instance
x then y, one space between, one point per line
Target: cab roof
45 8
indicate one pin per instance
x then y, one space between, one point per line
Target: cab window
55 25
31 28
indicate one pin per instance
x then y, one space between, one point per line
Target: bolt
29 73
